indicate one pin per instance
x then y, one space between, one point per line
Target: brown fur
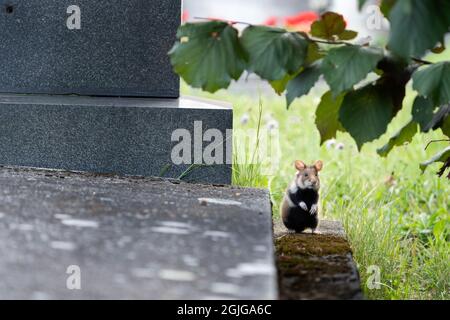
308 176
308 182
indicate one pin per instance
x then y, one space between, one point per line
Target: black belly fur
298 219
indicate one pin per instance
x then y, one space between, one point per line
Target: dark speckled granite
126 136
120 50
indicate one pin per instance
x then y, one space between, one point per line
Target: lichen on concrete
316 266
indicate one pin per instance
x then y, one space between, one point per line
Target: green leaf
273 52
327 116
348 35
208 55
417 25
422 111
403 136
434 82
331 24
440 157
361 4
314 53
365 113
345 66
446 126
280 85
438 118
303 83
386 6
396 74
439 229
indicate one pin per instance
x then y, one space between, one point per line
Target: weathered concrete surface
133 238
316 266
125 136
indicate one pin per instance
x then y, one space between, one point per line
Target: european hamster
300 207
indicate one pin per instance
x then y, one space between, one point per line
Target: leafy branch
210 54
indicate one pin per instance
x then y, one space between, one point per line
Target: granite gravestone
87 85
88 47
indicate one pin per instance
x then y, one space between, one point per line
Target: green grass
396 218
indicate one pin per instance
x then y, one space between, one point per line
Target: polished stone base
124 136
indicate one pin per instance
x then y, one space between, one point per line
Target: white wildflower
340 146
245 119
272 125
330 143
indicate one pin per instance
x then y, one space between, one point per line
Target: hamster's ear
300 165
318 165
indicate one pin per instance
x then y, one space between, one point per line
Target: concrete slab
132 238
125 136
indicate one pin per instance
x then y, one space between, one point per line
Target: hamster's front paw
303 206
314 209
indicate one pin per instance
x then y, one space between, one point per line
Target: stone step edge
316 266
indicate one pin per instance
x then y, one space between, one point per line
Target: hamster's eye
305 174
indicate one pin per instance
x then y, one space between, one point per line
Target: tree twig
228 21
434 141
421 61
332 42
305 35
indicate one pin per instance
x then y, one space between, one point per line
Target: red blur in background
301 21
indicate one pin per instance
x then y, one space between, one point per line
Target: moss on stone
311 245
296 265
315 266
